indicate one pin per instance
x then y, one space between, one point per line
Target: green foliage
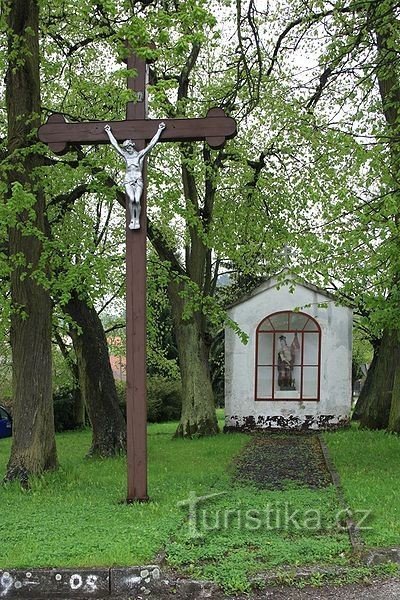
63 401
348 237
217 367
314 171
62 375
362 354
121 393
346 576
230 212
5 372
164 398
294 174
162 353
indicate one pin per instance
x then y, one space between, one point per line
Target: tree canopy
314 87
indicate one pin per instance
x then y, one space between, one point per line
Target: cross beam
215 128
58 134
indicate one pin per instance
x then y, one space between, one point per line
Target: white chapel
295 370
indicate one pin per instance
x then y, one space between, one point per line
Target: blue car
5 423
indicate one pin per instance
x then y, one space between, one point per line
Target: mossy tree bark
33 447
198 417
394 415
362 401
375 401
96 380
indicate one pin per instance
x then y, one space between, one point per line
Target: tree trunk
387 30
198 416
79 409
376 396
363 399
96 380
33 448
394 416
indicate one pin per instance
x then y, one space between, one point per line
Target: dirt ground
295 459
378 589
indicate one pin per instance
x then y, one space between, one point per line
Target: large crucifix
215 128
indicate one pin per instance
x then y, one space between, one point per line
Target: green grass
368 463
246 531
74 517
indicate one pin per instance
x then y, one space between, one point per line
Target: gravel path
377 590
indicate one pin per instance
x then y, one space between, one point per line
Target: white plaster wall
336 351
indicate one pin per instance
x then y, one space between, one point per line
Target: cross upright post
136 283
215 128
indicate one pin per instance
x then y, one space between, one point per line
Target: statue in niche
133 180
286 360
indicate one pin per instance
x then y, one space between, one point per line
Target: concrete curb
79 583
380 556
135 583
139 583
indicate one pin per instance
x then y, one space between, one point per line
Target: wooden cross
215 128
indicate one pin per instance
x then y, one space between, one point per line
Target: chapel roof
284 277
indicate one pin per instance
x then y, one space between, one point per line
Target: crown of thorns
127 143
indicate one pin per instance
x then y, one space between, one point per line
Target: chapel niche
288 357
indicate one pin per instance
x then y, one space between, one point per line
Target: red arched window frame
306 365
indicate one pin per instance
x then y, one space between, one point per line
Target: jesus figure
133 180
